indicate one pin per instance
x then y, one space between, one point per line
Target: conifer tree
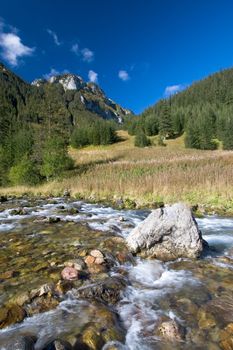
165 122
228 134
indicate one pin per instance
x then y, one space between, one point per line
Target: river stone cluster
166 234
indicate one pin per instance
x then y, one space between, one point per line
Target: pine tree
228 134
55 158
165 122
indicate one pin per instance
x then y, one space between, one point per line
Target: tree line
204 112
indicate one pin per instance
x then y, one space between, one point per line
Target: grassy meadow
145 175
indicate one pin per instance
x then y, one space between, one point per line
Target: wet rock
69 273
41 304
99 261
78 264
20 299
8 274
108 291
205 319
61 207
222 309
11 314
129 203
89 260
92 339
50 220
19 343
114 345
63 286
53 220
58 345
45 289
124 257
97 253
226 337
171 330
73 211
3 199
167 234
40 266
95 262
18 211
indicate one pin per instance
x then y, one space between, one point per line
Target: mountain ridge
76 97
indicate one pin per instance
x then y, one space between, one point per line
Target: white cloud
54 36
75 49
53 72
123 75
87 55
12 47
173 89
93 76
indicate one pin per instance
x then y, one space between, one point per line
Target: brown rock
96 253
95 268
42 290
99 261
92 338
63 286
20 299
69 273
41 304
7 274
206 319
222 309
89 260
226 337
58 345
10 315
172 331
78 264
108 290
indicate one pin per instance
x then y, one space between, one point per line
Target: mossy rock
11 314
92 338
129 204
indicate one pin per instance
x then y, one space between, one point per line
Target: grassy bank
146 176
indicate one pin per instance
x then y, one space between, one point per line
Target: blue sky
137 50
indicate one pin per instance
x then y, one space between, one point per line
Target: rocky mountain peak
91 96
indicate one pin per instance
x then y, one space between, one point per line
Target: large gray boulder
166 234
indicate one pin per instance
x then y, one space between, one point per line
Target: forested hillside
39 120
204 111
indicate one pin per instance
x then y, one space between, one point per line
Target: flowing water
196 294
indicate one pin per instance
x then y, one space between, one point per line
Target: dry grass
147 175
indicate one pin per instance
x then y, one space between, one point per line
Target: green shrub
79 138
24 173
141 140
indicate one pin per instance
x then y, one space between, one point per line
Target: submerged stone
69 273
58 345
171 330
19 343
226 337
11 314
108 291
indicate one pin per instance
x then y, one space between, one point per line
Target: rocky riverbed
68 281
